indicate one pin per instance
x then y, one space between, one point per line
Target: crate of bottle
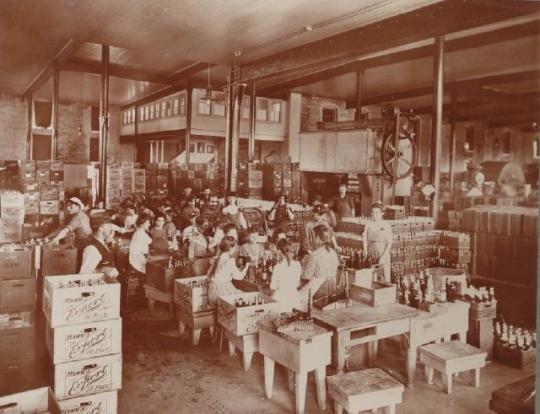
39 400
87 377
89 340
102 403
76 299
160 276
378 294
16 262
517 358
241 318
58 259
483 310
192 293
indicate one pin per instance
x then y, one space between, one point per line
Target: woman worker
321 267
378 240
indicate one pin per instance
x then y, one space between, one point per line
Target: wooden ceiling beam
518 120
162 93
70 47
184 74
456 45
425 23
515 100
494 115
118 71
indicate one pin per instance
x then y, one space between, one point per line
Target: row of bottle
242 303
193 284
514 338
478 295
414 289
356 258
175 262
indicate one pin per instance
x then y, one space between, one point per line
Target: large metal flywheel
399 156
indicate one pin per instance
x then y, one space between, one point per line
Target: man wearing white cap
79 225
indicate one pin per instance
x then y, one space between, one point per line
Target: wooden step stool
152 294
364 390
451 358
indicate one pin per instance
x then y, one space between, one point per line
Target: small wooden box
244 320
193 299
378 294
103 403
159 276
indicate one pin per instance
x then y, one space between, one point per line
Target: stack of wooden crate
197 176
123 180
11 216
17 318
83 336
283 178
250 181
504 242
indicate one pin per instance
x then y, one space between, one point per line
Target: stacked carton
197 176
83 336
43 188
283 178
157 179
11 216
504 242
123 180
17 318
250 181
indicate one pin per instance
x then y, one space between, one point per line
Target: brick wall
12 128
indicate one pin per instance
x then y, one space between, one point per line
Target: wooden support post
359 77
104 119
252 120
29 112
136 133
228 134
189 117
452 137
436 123
56 90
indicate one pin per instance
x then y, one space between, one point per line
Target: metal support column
436 123
29 111
54 135
104 120
452 137
228 134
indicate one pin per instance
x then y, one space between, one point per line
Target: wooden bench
364 390
451 358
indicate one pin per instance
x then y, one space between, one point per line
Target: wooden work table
299 352
362 324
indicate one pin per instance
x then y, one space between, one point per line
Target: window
164 109
469 139
157 112
245 107
142 118
204 107
146 113
152 111
42 114
262 109
275 113
219 108
329 114
182 105
94 119
94 149
41 147
175 107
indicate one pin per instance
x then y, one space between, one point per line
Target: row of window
267 110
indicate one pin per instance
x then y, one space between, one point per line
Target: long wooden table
363 324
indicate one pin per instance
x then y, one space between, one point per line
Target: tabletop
294 337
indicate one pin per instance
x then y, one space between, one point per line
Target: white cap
77 201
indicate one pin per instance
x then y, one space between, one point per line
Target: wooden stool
364 390
451 358
152 294
197 321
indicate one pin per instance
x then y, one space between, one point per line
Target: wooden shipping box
101 403
16 262
17 294
88 376
80 304
89 340
39 400
193 299
379 293
58 259
17 339
244 320
159 276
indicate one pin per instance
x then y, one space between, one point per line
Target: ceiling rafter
455 45
70 48
425 23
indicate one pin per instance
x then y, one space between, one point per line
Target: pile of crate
11 216
283 178
250 180
156 179
197 176
123 180
83 336
10 175
504 242
455 250
17 318
42 183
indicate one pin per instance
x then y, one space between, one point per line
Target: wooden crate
161 277
378 294
193 299
244 320
102 403
515 357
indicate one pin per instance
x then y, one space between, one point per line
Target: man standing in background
343 204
